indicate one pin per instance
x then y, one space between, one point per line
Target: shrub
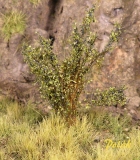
62 83
109 97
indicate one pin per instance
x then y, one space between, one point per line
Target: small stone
126 129
129 115
132 111
97 140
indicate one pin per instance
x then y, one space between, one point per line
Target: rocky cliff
54 19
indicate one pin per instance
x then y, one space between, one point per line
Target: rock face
54 19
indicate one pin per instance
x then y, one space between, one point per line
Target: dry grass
26 134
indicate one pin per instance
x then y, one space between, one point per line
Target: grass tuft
35 2
13 22
26 134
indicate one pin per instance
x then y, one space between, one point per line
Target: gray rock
121 67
